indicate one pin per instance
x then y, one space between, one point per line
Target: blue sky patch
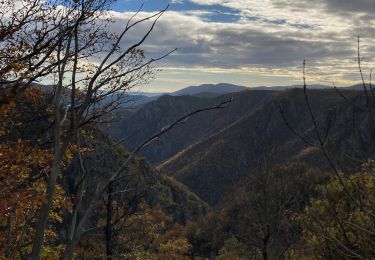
217 13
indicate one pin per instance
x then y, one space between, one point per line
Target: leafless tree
362 105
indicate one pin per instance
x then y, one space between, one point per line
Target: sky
254 42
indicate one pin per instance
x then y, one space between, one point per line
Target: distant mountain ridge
281 88
221 88
137 99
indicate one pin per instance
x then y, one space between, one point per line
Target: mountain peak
220 88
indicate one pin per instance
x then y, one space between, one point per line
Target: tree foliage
25 162
335 227
147 234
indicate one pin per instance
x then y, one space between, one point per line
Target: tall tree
59 41
24 161
69 44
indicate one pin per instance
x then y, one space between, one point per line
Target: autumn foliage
25 161
147 234
338 226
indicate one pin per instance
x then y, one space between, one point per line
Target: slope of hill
136 126
149 186
215 165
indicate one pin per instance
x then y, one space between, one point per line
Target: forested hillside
210 153
216 164
132 127
260 171
139 194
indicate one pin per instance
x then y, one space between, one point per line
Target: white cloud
271 38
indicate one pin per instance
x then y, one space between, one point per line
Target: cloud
338 6
270 36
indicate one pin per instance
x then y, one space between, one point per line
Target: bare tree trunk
69 251
212 255
44 211
79 229
9 235
59 150
108 228
265 246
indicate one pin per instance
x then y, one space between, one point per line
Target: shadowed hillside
145 185
136 126
215 165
